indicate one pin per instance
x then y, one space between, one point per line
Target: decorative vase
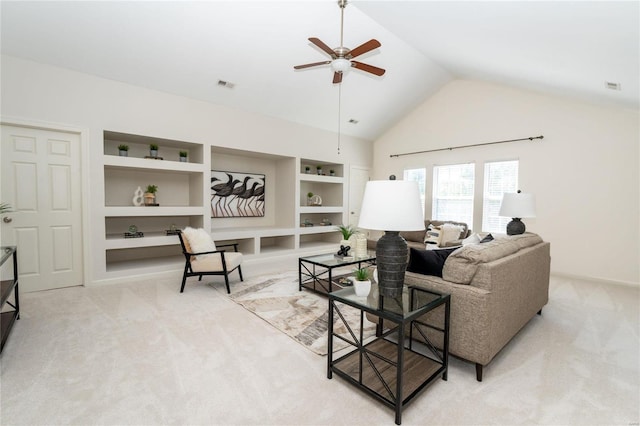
138 197
153 152
123 153
149 199
361 245
319 171
183 159
362 288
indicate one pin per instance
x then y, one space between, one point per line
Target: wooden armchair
210 262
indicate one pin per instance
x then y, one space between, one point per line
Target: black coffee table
316 272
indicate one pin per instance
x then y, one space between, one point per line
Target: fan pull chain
339 114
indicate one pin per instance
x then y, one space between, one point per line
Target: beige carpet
301 315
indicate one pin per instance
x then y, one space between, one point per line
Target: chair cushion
213 262
198 241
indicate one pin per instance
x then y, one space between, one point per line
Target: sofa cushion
461 266
428 262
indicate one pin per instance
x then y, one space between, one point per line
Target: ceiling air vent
612 86
353 121
226 84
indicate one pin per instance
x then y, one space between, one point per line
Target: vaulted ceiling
565 48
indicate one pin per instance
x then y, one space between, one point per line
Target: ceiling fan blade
329 51
299 67
337 77
368 68
365 47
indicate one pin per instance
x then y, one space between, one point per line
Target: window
420 176
499 177
453 193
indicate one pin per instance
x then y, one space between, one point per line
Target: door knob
7 219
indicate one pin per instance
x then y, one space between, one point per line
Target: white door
41 181
358 177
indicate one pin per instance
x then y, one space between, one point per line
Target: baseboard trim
596 279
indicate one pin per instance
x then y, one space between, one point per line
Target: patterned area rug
302 315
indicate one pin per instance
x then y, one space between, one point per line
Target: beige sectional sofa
496 288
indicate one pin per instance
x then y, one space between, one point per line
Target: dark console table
7 288
403 358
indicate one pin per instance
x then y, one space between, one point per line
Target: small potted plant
347 231
150 195
307 170
123 150
361 282
309 198
319 169
332 172
183 156
153 150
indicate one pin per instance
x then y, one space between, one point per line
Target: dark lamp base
391 260
515 227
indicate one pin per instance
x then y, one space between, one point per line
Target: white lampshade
340 65
391 205
518 205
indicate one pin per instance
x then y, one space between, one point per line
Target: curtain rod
531 138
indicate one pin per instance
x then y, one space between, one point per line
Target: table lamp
516 206
391 206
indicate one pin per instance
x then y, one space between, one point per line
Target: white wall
584 172
39 93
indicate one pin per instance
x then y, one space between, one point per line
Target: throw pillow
199 240
433 235
486 239
449 232
471 239
428 262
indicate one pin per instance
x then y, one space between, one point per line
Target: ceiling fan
342 57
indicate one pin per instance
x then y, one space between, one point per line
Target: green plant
347 231
184 154
361 274
319 167
5 208
332 171
153 147
309 194
307 168
123 147
152 189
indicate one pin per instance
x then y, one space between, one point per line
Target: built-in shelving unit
184 198
180 199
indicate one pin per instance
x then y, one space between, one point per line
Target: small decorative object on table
343 253
133 232
123 150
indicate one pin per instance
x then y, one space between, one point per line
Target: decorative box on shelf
134 234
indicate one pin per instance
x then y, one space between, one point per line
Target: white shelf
320 178
321 209
150 239
149 265
318 229
147 164
118 211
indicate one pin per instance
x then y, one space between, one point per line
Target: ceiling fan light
340 65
